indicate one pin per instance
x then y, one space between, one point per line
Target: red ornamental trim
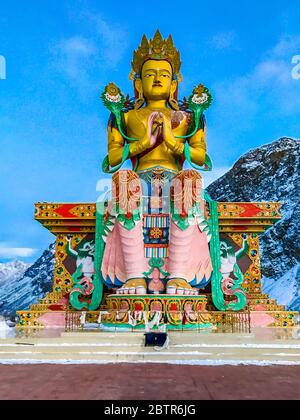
250 210
64 210
56 308
75 229
240 228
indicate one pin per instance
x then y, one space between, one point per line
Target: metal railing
215 321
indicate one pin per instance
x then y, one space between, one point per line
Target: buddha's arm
198 147
197 143
116 145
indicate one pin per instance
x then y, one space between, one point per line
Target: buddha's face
157 80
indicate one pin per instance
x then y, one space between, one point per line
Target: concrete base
188 348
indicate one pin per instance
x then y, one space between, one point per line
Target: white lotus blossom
114 99
200 100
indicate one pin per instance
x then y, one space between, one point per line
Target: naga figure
229 258
157 236
86 282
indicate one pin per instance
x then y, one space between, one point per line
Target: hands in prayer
159 124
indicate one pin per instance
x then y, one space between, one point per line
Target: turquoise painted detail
208 165
130 220
179 327
99 242
197 107
117 108
125 156
237 289
156 263
79 290
216 282
96 287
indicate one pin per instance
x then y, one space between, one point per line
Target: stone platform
237 221
260 348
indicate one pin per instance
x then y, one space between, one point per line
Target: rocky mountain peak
12 270
270 173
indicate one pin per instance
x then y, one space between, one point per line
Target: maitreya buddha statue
158 238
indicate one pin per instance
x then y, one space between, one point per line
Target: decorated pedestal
138 311
75 224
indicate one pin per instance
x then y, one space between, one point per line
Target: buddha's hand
171 142
154 128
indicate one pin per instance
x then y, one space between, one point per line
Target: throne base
131 310
79 219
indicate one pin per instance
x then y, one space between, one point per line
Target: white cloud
9 252
84 57
223 40
269 82
276 70
113 40
288 45
78 46
74 55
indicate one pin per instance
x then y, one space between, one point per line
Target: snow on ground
6 331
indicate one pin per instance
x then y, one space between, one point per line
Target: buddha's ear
174 87
173 95
138 85
139 94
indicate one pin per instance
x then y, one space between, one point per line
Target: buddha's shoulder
130 115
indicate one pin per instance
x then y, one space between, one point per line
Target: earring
173 102
140 100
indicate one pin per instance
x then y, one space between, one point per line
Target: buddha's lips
157 85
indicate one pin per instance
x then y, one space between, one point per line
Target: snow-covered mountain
21 292
12 270
272 173
286 290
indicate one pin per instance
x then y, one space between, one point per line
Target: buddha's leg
124 258
189 257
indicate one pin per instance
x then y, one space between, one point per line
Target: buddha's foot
179 286
136 286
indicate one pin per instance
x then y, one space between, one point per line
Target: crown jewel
156 49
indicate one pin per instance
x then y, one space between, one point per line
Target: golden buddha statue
168 248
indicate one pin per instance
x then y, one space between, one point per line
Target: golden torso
160 155
156 125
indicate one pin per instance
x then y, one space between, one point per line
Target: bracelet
179 148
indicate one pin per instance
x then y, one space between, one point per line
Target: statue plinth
79 220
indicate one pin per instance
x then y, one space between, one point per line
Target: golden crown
156 49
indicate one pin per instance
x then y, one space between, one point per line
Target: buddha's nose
157 78
157 81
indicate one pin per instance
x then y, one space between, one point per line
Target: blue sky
59 56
